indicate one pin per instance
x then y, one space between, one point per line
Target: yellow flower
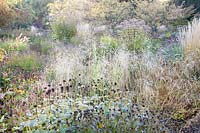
20 91
100 125
2 54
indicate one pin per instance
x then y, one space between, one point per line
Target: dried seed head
62 89
67 88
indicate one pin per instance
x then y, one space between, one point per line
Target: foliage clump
63 31
108 45
158 12
6 13
135 40
102 11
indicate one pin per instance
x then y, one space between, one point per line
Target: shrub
6 13
72 11
26 62
39 7
63 31
158 12
102 11
109 42
108 46
33 12
152 45
174 52
135 40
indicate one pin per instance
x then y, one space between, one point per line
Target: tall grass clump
189 37
26 62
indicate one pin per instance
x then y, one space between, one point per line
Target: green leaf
2 118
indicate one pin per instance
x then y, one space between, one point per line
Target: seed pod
62 89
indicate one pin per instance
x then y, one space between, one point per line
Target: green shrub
103 12
173 52
63 32
109 42
25 62
153 45
108 45
34 11
135 40
7 14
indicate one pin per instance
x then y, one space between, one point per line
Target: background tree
6 12
159 12
111 11
36 12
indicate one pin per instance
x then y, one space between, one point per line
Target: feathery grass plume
190 40
190 37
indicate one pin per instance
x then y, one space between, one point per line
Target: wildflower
100 125
19 91
1 96
5 74
2 54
